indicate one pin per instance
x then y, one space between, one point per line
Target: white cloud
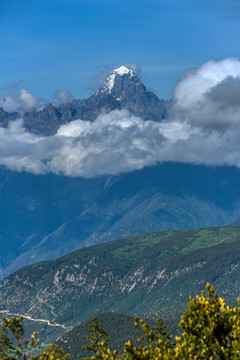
25 101
28 101
63 97
204 128
209 96
114 143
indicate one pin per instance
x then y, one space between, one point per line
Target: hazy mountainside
121 90
130 276
43 217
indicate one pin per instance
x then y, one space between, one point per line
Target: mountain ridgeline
121 90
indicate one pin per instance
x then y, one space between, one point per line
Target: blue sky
64 44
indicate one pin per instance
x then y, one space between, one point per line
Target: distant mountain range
43 217
121 90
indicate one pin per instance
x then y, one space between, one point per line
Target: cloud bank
203 128
209 96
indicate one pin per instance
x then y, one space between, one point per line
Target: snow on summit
122 70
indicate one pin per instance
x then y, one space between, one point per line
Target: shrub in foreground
211 330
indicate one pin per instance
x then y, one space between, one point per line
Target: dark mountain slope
43 217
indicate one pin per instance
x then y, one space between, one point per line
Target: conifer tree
160 333
97 336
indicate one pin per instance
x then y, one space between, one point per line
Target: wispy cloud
63 97
22 102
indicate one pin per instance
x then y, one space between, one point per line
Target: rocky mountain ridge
122 90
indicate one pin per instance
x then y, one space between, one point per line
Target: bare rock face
46 121
122 90
132 95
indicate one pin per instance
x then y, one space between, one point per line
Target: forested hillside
131 276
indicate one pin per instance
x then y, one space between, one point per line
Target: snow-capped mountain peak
122 70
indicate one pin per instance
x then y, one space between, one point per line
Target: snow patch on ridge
122 70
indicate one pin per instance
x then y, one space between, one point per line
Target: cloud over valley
203 127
